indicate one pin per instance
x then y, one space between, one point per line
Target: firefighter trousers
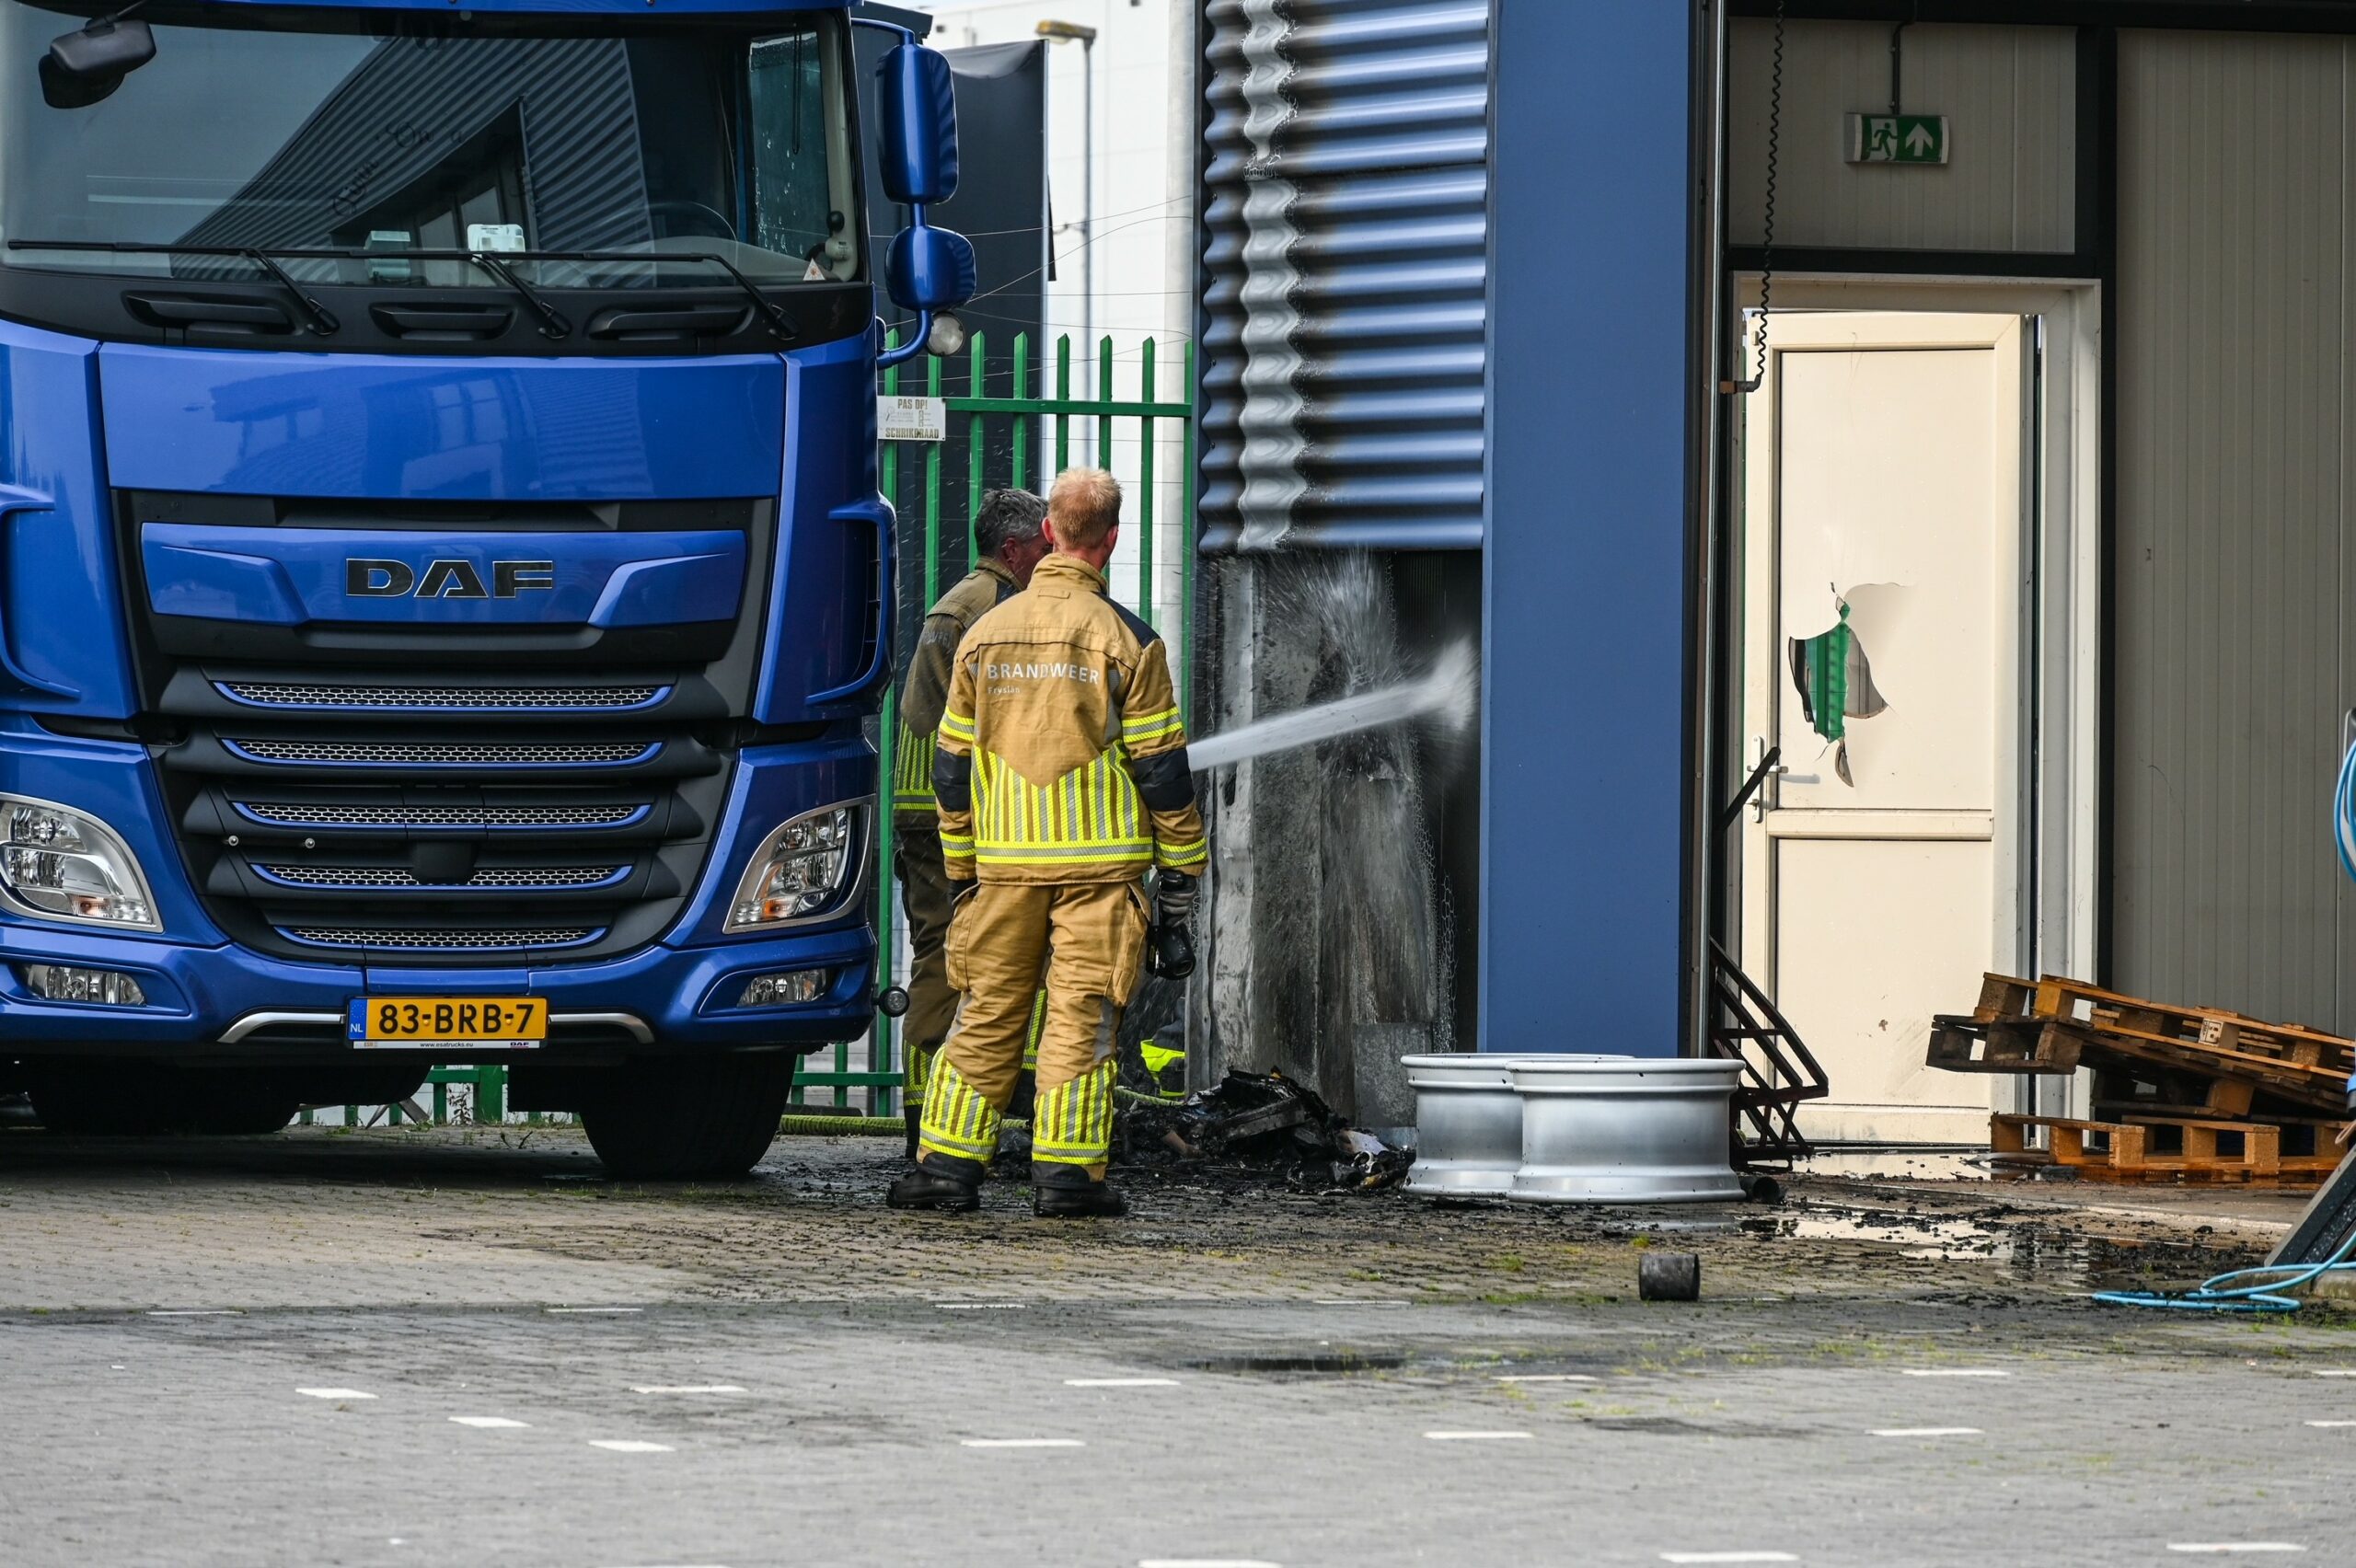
1083 945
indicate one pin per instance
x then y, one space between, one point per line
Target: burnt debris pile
1261 1127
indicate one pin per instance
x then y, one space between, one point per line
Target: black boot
912 1113
1065 1198
922 1189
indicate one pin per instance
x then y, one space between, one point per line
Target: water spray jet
1450 691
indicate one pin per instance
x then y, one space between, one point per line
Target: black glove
1170 940
961 891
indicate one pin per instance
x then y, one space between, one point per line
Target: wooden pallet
2235 1056
2123 1151
2057 996
1962 1043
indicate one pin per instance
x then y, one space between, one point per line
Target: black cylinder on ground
1669 1276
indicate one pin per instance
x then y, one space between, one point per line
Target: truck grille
445 698
462 753
445 794
387 878
289 814
423 939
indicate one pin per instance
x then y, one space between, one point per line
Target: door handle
1770 766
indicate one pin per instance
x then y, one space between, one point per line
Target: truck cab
442 580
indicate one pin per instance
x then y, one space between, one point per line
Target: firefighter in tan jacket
1008 542
1061 777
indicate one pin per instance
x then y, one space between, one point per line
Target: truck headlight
802 869
57 864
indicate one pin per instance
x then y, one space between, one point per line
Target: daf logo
444 578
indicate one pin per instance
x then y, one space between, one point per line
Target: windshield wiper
780 324
552 322
323 322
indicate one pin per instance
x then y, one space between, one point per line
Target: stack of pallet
2181 1094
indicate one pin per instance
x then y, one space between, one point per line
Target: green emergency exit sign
1898 138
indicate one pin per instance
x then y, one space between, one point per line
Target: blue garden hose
2220 1295
2343 825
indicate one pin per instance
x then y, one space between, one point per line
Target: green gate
1020 416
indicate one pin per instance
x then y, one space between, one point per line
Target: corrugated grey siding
2234 473
1342 358
2009 93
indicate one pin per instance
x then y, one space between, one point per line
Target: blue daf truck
442 580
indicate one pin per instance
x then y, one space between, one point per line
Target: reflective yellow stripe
912 769
1073 1122
1150 726
1179 856
957 727
957 1121
1038 1027
1089 816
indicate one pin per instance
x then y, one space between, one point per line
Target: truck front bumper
229 1001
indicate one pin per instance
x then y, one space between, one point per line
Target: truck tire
682 1121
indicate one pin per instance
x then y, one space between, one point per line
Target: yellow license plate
449 1021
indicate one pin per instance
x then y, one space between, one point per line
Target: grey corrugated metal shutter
1346 207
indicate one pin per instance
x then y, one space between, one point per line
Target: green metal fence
1001 440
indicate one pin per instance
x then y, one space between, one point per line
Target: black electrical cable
1767 221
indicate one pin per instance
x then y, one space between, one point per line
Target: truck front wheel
678 1120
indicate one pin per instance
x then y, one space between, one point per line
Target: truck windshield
379 133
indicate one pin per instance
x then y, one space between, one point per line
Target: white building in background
1121 249
1121 181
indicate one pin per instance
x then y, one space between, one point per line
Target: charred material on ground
1263 1126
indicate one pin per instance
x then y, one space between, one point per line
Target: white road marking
336 1393
1120 1382
1728 1556
2329 1424
587 1310
1021 1443
2336 1372
1954 1372
628 1446
686 1389
1478 1436
194 1312
979 1306
2218 1546
1927 1432
1357 1301
1206 1562
1546 1378
488 1422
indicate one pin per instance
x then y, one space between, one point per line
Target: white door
1883 461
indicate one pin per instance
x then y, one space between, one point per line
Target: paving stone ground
1263 1371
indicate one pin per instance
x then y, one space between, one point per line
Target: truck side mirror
925 270
84 65
919 109
930 268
